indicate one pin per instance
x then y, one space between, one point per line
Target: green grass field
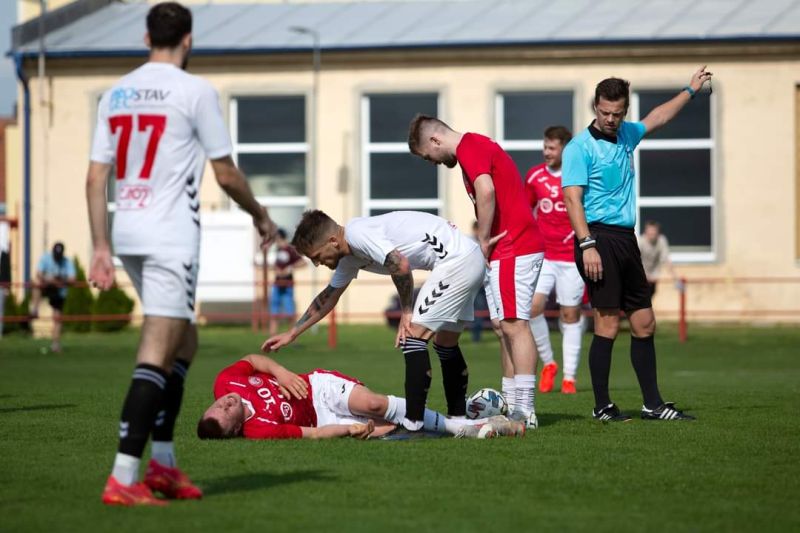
737 468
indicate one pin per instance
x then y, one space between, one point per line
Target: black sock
145 397
455 378
600 368
418 377
173 394
643 358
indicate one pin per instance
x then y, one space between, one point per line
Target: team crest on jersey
286 410
255 381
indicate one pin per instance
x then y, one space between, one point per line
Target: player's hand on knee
101 270
291 385
403 329
276 342
592 264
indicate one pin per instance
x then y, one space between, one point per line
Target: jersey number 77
124 123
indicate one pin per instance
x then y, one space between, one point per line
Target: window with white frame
521 118
393 178
675 166
271 148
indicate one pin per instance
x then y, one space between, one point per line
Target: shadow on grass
262 480
43 407
547 419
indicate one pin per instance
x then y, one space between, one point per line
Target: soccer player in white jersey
543 185
396 244
156 126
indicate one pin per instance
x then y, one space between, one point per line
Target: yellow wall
754 157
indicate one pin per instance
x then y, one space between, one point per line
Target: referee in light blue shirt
598 179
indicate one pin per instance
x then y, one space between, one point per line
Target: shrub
112 302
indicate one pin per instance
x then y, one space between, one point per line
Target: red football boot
115 493
548 377
568 386
171 482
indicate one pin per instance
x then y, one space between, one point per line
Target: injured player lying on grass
257 398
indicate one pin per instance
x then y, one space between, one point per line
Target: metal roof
118 28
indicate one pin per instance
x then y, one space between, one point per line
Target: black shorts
53 295
624 284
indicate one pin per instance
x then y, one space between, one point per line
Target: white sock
396 410
164 453
573 334
526 386
510 392
541 335
441 424
126 468
413 425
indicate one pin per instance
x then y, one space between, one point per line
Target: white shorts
564 276
509 286
446 300
165 283
330 394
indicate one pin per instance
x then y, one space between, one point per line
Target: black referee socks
643 359
600 368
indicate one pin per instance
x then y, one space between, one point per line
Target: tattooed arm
400 270
319 308
398 267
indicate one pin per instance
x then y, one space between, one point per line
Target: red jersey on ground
480 155
276 417
547 200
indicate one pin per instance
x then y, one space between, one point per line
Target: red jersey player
543 185
257 398
509 239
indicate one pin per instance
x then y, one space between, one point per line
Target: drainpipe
26 209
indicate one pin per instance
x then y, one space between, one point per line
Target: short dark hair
209 428
281 233
653 223
417 125
613 89
167 24
314 226
558 133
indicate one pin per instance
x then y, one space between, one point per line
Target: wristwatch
590 241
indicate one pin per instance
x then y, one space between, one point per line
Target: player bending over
395 244
257 398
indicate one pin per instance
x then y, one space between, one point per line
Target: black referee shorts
624 284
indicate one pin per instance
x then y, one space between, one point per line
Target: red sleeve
239 368
530 189
272 431
474 156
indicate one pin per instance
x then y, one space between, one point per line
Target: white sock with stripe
573 334
525 393
541 335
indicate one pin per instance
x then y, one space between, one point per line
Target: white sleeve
368 239
346 271
103 141
209 124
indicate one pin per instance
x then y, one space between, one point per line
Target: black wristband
590 241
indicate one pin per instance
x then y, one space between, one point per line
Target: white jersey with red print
425 240
547 200
157 125
275 416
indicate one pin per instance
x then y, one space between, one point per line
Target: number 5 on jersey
124 123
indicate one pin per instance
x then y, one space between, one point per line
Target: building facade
722 179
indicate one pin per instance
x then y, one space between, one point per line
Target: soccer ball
485 403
